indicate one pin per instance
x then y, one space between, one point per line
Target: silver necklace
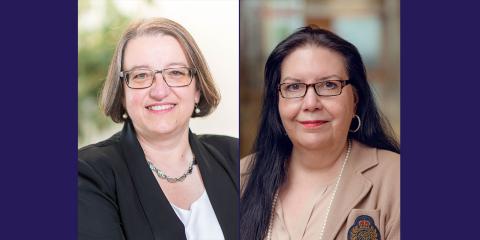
169 179
275 197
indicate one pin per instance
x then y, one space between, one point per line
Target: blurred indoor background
373 26
214 26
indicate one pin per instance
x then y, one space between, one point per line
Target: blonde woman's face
313 122
159 109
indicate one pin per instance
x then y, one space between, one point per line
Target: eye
177 73
293 87
331 85
140 75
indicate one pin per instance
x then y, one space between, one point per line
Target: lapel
352 189
220 183
218 179
163 221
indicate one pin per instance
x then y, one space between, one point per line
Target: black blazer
119 197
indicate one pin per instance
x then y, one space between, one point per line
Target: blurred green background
98 31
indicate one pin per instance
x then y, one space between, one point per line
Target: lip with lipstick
312 123
160 107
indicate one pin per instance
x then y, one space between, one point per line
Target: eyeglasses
323 88
143 77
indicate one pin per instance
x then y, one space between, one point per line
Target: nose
159 88
311 101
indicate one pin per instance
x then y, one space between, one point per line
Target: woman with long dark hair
326 163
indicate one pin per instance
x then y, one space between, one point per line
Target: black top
119 197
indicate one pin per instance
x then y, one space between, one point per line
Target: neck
167 151
317 165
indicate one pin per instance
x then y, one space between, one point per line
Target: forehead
155 51
313 62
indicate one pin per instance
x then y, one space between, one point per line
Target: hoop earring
358 126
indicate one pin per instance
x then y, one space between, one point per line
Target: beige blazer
370 187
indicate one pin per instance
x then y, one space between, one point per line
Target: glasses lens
292 90
177 77
140 78
328 88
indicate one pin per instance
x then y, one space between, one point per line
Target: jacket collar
221 184
155 205
353 187
163 221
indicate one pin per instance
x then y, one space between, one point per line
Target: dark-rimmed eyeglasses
143 77
323 88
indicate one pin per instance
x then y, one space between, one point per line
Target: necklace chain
169 179
339 177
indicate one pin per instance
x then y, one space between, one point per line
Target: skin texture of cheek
130 101
341 122
133 103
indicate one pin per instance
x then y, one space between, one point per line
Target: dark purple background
439 119
38 97
439 109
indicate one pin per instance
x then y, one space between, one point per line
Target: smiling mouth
312 124
164 107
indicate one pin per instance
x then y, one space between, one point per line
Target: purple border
439 119
39 119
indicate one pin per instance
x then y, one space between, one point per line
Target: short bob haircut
112 95
272 148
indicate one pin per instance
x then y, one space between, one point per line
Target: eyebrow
321 79
169 65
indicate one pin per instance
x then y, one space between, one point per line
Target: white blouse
200 221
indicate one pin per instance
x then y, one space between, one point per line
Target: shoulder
103 149
382 169
97 162
245 169
388 161
219 141
370 159
245 163
223 149
225 145
386 175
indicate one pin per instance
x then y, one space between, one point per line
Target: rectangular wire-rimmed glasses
144 77
322 88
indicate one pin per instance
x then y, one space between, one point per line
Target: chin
312 146
163 128
314 142
166 127
163 131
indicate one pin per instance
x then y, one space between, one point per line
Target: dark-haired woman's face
315 122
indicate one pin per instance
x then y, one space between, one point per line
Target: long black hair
272 147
